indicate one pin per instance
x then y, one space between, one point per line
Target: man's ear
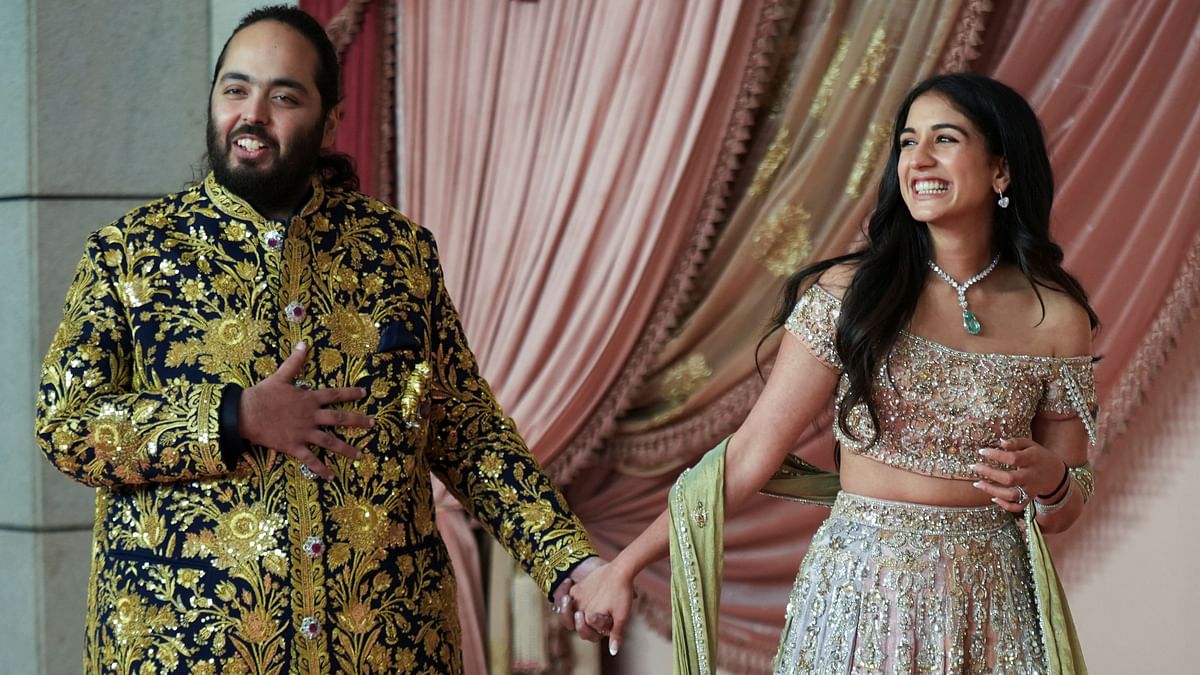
1000 178
331 124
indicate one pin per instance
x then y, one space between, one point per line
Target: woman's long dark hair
891 270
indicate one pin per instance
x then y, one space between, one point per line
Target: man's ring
1022 495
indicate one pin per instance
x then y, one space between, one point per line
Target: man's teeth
248 144
925 187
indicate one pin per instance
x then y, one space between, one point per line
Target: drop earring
1003 201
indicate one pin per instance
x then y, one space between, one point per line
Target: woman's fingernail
578 619
612 647
985 451
566 600
995 500
978 484
300 346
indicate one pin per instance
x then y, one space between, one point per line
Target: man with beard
259 374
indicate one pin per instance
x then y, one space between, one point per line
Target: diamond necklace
970 321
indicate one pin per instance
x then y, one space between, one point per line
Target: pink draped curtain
563 153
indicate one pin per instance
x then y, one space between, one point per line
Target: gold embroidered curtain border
1139 376
964 46
385 157
578 453
345 25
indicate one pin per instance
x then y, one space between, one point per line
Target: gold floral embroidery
825 91
871 66
770 163
204 568
782 241
243 535
686 378
363 524
877 140
353 332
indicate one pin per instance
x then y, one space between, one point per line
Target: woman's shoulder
836 279
1067 320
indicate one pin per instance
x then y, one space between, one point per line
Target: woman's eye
907 142
947 139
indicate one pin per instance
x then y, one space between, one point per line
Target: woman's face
947 175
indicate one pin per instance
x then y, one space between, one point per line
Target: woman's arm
798 390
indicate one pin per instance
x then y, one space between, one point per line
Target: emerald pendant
970 323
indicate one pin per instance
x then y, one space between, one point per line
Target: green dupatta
697 507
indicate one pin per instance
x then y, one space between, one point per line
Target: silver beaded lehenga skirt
892 587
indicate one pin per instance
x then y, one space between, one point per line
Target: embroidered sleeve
96 420
814 321
485 462
1070 391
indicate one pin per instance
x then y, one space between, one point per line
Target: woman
958 355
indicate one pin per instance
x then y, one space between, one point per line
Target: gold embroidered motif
825 91
774 157
781 242
871 66
878 140
685 378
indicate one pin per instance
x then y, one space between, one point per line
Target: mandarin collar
236 207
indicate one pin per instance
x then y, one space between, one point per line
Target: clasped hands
280 413
596 601
1033 470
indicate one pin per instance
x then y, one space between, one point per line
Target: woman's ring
1022 495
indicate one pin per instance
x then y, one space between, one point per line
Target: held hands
602 600
280 413
1035 470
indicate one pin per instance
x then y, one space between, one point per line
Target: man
287 526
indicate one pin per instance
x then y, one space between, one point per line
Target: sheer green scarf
697 507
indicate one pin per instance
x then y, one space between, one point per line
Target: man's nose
257 111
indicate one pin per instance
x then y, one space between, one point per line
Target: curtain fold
566 154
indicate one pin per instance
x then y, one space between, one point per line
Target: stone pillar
106 103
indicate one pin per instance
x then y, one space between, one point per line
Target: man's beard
268 187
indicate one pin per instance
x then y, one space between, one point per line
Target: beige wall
104 108
1135 591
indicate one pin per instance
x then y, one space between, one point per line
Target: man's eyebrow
277 82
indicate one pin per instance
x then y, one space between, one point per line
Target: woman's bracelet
1085 478
1066 474
1047 509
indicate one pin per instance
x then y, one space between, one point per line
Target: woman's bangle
1085 479
1066 474
1047 509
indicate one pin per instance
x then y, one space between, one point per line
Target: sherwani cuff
233 446
556 569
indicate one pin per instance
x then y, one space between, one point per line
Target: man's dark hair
335 168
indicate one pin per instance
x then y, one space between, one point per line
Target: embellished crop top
937 406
